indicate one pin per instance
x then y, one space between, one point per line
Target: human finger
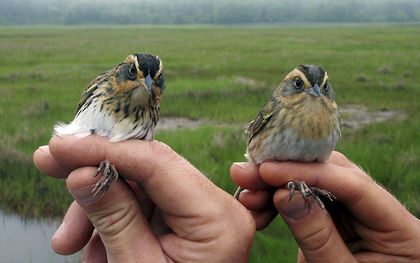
246 175
340 159
74 232
264 217
94 251
161 172
117 217
365 199
190 203
257 200
46 163
314 231
260 204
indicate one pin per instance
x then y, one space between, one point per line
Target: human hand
365 224
206 223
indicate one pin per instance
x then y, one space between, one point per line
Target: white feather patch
94 121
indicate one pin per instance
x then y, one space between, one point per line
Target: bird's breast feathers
312 118
301 131
116 127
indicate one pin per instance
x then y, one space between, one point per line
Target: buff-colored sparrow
300 122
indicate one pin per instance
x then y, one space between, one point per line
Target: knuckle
316 239
163 151
361 181
162 157
360 173
160 149
114 220
340 159
341 156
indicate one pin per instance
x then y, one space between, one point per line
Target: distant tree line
74 12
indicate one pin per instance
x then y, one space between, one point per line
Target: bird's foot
109 174
313 192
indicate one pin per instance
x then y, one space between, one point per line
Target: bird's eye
298 83
133 69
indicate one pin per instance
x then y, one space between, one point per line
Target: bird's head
141 76
307 80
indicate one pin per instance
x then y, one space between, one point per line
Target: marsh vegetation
217 76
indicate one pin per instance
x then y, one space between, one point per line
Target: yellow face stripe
324 80
160 68
296 73
132 59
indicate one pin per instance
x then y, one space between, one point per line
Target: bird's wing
261 120
93 85
86 94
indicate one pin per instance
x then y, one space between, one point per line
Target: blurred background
167 12
222 61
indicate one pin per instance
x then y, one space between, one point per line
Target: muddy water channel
29 241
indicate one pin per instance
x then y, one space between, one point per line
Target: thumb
117 217
313 230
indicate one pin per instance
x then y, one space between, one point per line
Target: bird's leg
303 189
109 174
314 192
292 187
317 191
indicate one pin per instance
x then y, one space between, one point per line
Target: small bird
300 122
121 103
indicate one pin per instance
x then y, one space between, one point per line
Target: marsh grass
219 74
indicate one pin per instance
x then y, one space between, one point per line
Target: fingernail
85 195
59 232
244 165
296 208
43 149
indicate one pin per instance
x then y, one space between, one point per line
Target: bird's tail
69 129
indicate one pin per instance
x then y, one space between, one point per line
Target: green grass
219 74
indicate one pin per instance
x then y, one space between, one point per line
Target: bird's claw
314 192
292 187
109 174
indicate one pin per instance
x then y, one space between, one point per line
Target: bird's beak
314 90
148 80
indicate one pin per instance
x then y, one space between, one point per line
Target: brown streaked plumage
121 103
300 122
